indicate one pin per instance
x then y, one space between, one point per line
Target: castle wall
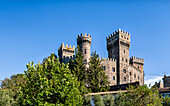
110 69
135 75
118 67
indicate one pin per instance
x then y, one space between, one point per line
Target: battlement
83 38
83 35
110 59
66 46
137 59
117 32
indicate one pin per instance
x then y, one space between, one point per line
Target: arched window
134 75
130 73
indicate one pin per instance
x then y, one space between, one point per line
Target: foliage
96 76
77 68
166 100
98 100
108 100
87 101
50 83
141 95
13 83
11 86
6 98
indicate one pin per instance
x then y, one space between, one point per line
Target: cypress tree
78 69
97 79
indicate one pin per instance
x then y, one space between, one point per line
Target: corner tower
84 42
65 53
118 45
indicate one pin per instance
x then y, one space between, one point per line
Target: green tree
12 85
78 69
50 84
77 65
165 100
108 100
87 101
13 82
140 96
98 100
6 98
96 76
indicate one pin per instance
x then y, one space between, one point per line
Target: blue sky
32 29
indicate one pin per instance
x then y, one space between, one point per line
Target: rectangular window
113 77
124 70
85 51
124 78
113 69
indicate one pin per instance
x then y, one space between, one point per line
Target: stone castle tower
65 53
118 66
84 42
118 45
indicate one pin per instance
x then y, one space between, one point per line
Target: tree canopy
50 84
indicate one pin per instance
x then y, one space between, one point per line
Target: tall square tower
118 45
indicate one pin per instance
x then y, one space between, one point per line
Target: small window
122 59
130 81
122 36
124 50
85 51
113 77
134 75
126 60
124 78
138 67
85 61
138 77
113 69
127 38
130 73
104 67
124 70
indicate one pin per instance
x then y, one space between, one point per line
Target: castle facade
118 66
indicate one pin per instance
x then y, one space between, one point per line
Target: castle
118 66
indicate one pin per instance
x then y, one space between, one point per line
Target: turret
84 42
137 62
66 52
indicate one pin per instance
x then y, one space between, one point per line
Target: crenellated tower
118 45
84 42
137 62
65 53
